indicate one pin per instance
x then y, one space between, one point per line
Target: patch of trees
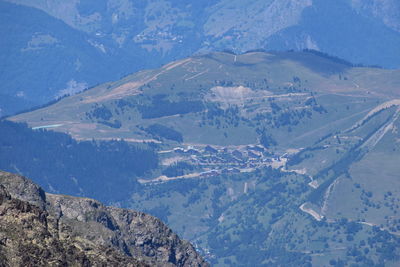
178 169
311 102
261 50
100 112
102 170
218 117
327 56
261 84
287 117
213 111
275 107
320 109
266 140
123 105
183 187
193 198
161 108
290 117
160 131
296 79
224 83
339 60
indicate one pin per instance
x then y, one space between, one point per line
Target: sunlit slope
330 201
226 99
354 173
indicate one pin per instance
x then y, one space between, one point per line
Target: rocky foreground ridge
41 229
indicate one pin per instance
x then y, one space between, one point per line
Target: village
210 161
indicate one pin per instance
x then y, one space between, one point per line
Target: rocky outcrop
40 229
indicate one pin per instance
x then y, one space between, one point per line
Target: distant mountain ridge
43 229
54 47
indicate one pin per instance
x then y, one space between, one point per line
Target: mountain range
264 132
54 48
264 158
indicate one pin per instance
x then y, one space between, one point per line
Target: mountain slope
355 172
291 95
334 202
52 230
59 164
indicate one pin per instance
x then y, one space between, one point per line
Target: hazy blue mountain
337 28
68 46
43 58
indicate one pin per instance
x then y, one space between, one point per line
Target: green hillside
279 159
224 97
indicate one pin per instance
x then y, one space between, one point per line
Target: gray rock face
84 228
23 189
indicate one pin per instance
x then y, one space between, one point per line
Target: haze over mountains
269 153
55 48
